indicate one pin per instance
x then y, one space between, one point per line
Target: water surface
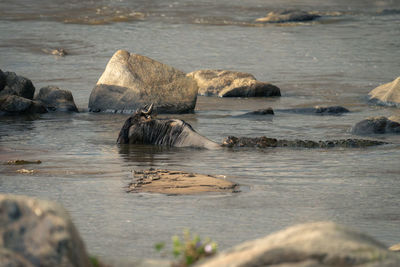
334 61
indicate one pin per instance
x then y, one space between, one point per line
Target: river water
336 60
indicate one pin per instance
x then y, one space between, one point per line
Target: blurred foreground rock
224 83
38 233
308 245
131 81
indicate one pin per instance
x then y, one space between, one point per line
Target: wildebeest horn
149 110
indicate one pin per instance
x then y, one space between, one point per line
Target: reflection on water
335 61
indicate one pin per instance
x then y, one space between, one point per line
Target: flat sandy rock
177 183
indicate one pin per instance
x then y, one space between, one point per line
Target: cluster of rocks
130 81
41 233
17 97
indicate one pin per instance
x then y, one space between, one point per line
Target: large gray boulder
309 245
225 83
288 16
131 81
16 85
377 125
38 233
56 99
387 94
16 105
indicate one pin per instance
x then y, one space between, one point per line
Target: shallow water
334 61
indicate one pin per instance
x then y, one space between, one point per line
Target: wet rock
143 128
313 244
177 183
318 110
2 80
224 83
38 233
387 94
377 125
17 85
288 16
56 99
130 81
16 105
264 142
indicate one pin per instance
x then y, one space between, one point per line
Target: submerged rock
263 142
177 183
318 110
288 16
38 233
16 105
56 99
377 125
312 244
130 81
266 111
224 83
142 128
16 85
387 94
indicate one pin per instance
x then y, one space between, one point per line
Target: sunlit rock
387 94
131 81
225 83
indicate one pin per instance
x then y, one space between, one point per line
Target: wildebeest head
140 115
143 128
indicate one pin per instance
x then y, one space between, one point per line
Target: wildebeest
142 128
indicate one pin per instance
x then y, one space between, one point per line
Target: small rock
376 125
395 248
288 16
56 99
